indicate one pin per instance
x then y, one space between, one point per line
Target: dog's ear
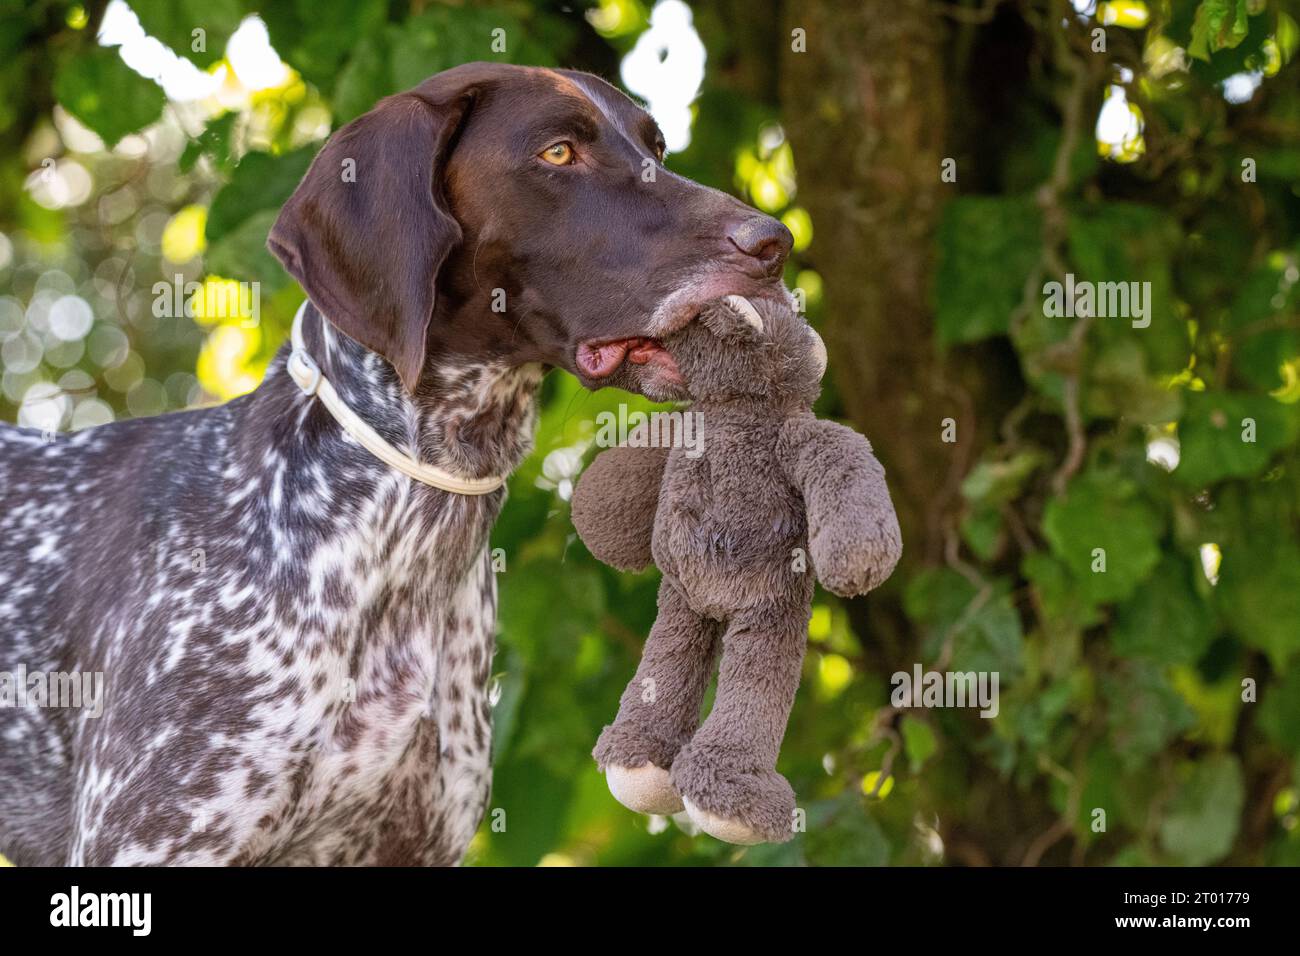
368 228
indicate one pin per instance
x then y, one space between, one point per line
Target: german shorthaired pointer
295 636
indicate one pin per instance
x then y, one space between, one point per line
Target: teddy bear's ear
733 318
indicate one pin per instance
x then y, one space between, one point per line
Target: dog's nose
765 239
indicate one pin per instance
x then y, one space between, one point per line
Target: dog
295 636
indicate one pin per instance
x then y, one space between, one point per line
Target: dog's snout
763 238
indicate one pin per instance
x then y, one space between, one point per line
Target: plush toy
767 496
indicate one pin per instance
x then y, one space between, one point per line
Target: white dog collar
307 375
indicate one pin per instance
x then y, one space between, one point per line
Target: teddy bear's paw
629 744
645 789
748 807
634 761
846 573
723 828
854 560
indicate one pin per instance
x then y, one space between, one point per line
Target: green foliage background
1121 691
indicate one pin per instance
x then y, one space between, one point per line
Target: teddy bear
769 496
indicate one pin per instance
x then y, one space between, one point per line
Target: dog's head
518 214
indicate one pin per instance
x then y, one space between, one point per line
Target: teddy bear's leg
727 773
660 708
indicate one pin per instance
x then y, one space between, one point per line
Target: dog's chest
394 742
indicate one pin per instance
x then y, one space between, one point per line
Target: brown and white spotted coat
297 671
296 639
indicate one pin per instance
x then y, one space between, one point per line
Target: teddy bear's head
741 348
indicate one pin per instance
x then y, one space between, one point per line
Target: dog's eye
559 154
660 150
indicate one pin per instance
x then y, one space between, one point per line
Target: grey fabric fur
738 532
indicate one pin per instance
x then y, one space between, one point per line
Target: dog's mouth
598 360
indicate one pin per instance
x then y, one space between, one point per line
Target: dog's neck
304 494
474 419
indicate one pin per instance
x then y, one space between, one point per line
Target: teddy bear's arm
853 533
614 505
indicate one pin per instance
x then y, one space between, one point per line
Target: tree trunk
865 108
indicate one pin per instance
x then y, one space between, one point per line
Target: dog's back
80 521
36 788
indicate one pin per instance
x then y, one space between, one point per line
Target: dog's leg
35 787
464 717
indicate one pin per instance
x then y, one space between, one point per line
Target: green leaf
1214 431
1116 244
316 36
1203 818
1144 714
1118 384
987 249
365 79
399 57
535 800
528 618
1261 357
1259 593
993 640
918 741
981 529
106 95
1133 855
1219 25
513 686
214 141
1264 295
1036 717
995 482
260 182
1216 704
1165 621
174 22
1279 711
981 624
842 833
440 37
1064 609
242 254
1124 794
1100 512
